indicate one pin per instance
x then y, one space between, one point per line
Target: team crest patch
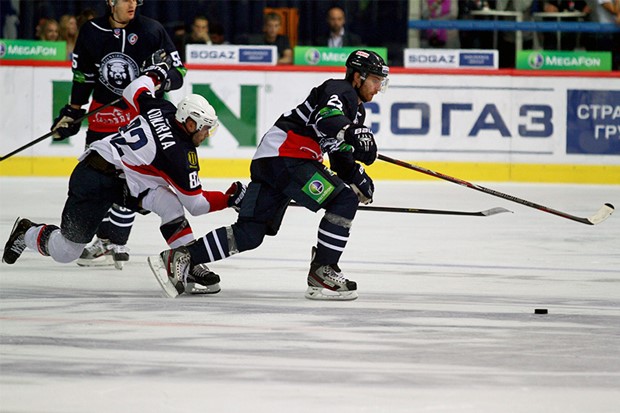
192 158
117 33
117 70
132 38
318 188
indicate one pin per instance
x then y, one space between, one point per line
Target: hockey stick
601 215
485 213
47 135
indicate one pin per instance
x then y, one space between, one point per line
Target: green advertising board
329 56
11 49
552 60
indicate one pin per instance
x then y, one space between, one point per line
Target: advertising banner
32 50
593 122
231 55
451 58
552 60
329 56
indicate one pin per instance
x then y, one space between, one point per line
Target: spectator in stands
198 35
84 16
337 36
440 10
507 40
49 30
606 11
569 40
473 39
68 30
271 27
216 33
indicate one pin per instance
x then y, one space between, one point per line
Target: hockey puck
540 311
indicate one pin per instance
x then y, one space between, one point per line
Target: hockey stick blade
485 213
157 267
602 214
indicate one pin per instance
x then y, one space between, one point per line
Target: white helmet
199 110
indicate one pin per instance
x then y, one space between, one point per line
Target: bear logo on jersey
117 70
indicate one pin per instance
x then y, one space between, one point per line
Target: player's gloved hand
157 66
63 125
362 185
363 143
236 192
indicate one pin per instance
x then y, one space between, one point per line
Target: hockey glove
157 67
362 185
64 125
363 143
236 192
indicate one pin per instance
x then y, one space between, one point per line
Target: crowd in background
322 23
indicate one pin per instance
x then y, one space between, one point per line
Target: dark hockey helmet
366 63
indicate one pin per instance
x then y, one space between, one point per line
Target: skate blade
316 293
102 261
157 267
197 289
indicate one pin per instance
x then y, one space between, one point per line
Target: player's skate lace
329 276
201 280
16 243
177 264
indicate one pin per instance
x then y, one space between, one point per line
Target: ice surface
444 323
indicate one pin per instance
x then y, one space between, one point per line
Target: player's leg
318 188
177 232
88 200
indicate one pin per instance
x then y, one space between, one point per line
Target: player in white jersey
150 165
288 165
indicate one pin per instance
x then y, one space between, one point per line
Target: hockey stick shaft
605 211
485 213
47 135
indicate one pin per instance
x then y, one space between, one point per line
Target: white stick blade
493 211
602 214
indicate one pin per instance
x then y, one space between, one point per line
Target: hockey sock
212 247
333 235
116 226
177 232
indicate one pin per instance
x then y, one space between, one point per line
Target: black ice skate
326 282
201 280
16 243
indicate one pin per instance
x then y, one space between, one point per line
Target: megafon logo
316 187
312 56
2 49
535 60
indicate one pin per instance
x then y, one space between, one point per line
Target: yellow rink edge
469 171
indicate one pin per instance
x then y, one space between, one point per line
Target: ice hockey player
288 165
109 53
156 155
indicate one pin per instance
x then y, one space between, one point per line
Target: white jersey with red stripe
154 150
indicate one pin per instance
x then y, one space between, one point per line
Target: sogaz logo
536 60
312 56
2 49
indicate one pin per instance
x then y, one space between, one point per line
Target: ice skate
102 253
201 280
326 282
16 244
97 254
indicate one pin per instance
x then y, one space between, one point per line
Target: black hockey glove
157 66
363 143
63 125
236 193
362 185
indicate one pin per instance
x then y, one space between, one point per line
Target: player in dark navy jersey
288 165
151 164
109 54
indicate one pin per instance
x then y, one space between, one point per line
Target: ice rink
444 321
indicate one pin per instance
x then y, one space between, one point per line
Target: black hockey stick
485 213
601 215
48 134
